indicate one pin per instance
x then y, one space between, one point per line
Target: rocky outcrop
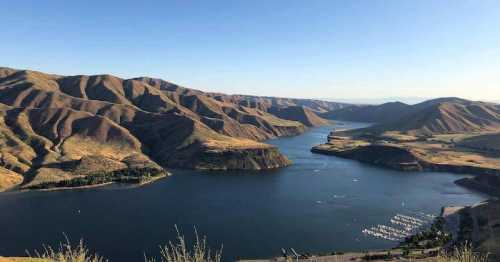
399 158
207 157
477 225
485 183
380 155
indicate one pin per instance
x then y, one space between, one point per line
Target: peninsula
447 134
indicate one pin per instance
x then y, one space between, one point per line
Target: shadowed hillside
57 128
305 111
370 113
448 116
437 116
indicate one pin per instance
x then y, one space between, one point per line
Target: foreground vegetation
135 176
181 251
434 237
67 253
177 251
464 253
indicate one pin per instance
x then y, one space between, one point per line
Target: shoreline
415 164
402 251
66 188
134 185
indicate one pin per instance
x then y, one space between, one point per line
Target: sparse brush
68 253
179 252
464 253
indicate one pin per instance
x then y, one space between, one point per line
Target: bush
68 253
179 251
463 253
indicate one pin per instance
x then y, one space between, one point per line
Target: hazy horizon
343 50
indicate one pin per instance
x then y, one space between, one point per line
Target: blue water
319 204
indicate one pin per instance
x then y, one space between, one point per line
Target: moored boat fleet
401 226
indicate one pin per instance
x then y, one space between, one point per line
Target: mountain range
55 127
437 116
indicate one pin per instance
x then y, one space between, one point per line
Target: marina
400 226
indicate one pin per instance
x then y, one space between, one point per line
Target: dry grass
68 253
9 179
397 136
464 253
177 251
341 144
441 153
180 252
22 259
485 141
78 146
234 143
433 151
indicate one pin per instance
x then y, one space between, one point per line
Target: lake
319 204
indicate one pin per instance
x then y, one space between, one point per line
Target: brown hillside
450 117
299 113
488 142
383 113
439 116
58 128
303 110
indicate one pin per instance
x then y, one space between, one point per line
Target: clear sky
306 48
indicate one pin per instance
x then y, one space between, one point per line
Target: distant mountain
378 101
54 128
266 103
450 115
437 116
370 113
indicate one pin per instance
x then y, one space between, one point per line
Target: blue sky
314 49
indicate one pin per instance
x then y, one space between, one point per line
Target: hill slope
370 113
438 116
305 111
449 116
446 134
56 128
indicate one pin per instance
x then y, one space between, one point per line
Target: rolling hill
56 128
305 111
370 113
445 134
437 116
448 116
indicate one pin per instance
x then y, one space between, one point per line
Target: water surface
319 204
